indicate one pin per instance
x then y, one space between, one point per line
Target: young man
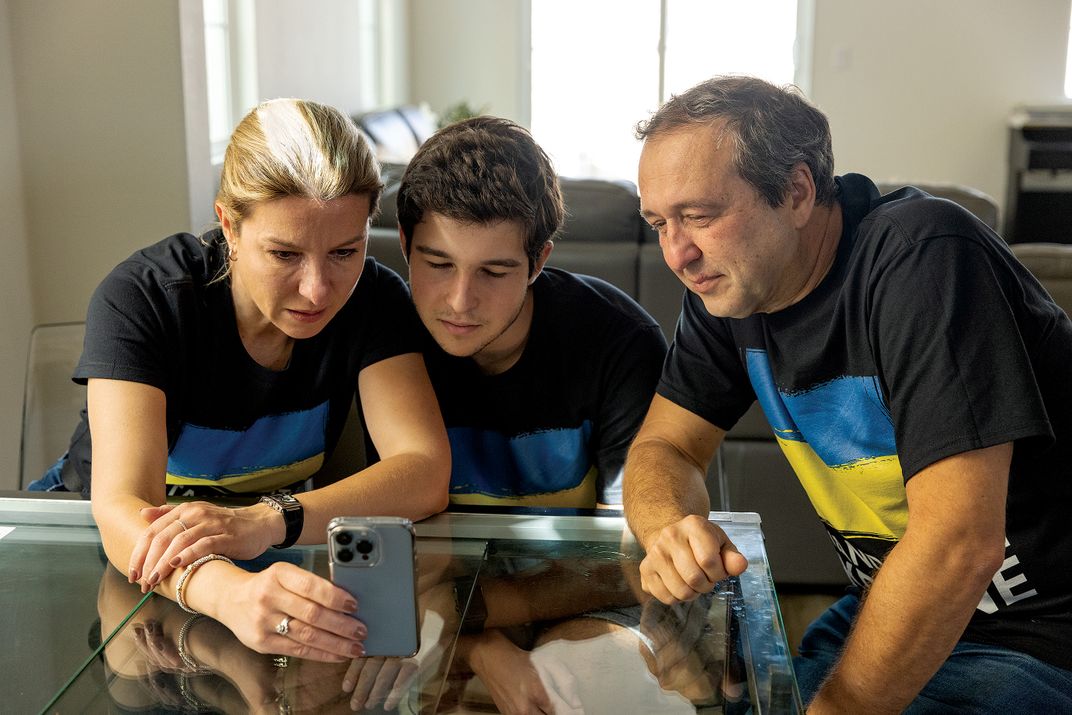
916 377
543 376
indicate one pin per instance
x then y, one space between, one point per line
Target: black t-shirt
553 430
926 339
159 318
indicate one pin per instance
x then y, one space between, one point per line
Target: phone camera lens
344 555
364 546
343 538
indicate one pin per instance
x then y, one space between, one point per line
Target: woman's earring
232 253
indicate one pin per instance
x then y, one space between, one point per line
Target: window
230 68
218 76
339 52
599 66
1068 61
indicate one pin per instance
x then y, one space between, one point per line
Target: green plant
459 111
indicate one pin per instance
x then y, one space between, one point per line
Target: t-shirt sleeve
392 326
629 386
703 371
947 345
127 334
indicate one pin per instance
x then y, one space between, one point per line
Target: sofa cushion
1051 263
979 203
599 211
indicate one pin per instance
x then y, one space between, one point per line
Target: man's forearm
906 628
661 486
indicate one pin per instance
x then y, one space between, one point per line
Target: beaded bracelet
189 572
184 655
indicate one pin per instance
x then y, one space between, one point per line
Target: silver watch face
281 502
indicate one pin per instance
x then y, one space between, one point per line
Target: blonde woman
226 364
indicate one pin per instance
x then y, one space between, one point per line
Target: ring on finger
283 627
182 524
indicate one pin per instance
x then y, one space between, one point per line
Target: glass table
543 608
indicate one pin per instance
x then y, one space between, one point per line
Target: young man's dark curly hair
481 171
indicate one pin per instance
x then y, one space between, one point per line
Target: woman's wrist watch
293 517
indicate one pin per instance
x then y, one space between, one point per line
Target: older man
915 376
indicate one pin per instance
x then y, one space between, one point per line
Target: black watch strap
293 517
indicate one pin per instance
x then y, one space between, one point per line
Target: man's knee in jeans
822 643
975 678
984 679
52 480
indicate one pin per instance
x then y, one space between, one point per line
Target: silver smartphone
373 557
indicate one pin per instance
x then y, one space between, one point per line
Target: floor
800 608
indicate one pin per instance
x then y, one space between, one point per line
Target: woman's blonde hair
293 147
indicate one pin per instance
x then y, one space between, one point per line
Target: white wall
16 318
922 90
469 50
314 51
98 99
917 90
91 95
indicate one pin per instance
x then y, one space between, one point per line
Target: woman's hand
376 680
286 610
178 535
219 672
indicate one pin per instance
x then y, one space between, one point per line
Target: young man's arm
928 586
666 505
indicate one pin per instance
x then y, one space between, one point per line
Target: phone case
373 558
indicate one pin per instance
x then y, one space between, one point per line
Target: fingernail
175 562
348 686
133 575
361 631
350 605
357 650
154 579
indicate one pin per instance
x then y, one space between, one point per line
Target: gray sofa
605 236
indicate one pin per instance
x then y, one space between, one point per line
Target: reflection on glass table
163 658
51 564
516 610
561 625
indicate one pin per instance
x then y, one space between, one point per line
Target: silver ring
182 524
284 626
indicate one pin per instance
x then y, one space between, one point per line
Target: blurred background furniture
51 402
396 133
1051 263
1038 199
980 204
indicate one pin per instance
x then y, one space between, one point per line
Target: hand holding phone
373 558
